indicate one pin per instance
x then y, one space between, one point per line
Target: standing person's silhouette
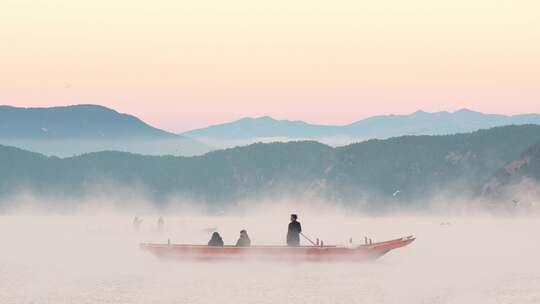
137 223
293 233
160 224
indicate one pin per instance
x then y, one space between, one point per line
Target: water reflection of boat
319 253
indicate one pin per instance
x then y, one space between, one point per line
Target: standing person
137 224
293 234
244 240
160 224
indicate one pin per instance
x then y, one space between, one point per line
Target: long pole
312 243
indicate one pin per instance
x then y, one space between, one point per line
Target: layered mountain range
250 130
72 130
405 171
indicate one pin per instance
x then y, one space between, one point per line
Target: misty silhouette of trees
416 165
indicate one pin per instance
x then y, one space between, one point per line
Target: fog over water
94 257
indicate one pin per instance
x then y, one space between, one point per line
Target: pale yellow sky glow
186 64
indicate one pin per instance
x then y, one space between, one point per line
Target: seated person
244 240
216 240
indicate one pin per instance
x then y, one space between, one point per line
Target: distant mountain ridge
77 129
377 127
77 121
265 126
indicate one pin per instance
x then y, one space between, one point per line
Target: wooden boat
363 252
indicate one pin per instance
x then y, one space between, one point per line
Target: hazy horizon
275 118
180 65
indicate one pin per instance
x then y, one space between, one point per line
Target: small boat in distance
365 252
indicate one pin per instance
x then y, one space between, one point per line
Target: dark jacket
293 234
216 240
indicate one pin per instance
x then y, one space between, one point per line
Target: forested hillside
403 170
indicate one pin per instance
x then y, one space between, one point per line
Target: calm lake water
95 259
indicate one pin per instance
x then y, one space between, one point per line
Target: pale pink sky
180 65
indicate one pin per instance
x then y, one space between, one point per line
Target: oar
312 243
